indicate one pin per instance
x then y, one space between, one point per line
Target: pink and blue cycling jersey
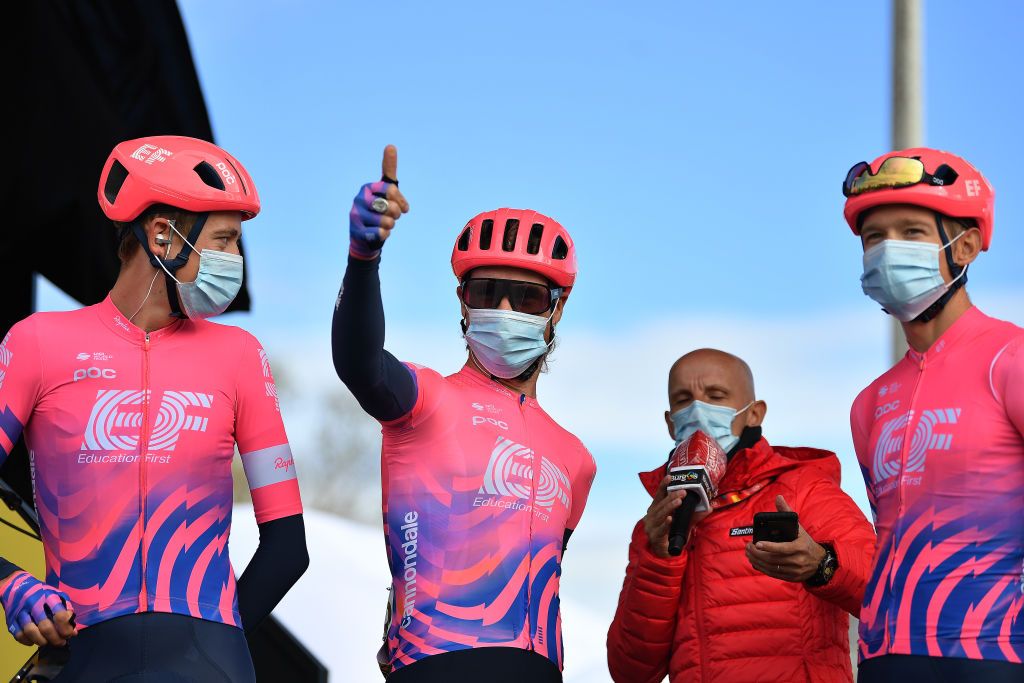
939 439
479 488
131 438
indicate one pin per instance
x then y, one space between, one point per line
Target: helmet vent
486 228
463 243
115 179
536 232
208 174
560 250
511 230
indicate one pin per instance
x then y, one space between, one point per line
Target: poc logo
229 177
94 373
480 420
886 409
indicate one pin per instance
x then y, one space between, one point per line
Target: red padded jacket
707 615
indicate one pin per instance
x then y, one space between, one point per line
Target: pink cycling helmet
969 196
186 173
520 238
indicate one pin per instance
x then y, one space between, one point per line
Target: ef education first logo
931 433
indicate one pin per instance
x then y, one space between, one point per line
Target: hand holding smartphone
777 527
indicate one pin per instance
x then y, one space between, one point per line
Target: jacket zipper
697 604
908 435
143 448
529 536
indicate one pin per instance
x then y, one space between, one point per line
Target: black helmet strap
173 265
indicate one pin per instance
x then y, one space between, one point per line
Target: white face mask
505 342
216 285
715 421
904 277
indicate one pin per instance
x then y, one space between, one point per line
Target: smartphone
777 527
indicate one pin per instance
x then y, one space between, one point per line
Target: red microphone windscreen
701 449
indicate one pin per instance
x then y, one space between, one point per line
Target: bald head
715 377
711 376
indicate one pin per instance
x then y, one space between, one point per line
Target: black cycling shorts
158 648
918 669
485 664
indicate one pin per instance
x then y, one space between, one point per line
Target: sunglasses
524 297
893 173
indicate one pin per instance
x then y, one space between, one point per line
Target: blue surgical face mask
715 421
216 285
904 277
505 342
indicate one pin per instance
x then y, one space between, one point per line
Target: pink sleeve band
276 501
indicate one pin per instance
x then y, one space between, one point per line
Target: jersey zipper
143 448
531 513
698 605
908 438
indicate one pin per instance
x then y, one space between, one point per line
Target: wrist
6 580
827 567
362 253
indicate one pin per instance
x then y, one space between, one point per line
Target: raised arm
384 387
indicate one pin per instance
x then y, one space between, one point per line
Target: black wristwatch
826 568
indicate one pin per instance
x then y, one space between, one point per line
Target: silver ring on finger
380 205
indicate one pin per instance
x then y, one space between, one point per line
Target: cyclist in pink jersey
131 410
481 487
939 435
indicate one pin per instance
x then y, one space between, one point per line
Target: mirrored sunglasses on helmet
894 172
523 297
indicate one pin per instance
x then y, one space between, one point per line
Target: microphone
697 465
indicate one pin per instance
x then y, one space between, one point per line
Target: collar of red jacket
761 462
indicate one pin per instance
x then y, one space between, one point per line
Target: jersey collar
960 327
119 323
471 375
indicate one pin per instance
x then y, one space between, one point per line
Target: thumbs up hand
375 209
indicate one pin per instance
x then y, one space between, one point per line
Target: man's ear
158 235
967 248
556 315
671 427
756 413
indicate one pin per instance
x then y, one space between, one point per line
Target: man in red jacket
725 610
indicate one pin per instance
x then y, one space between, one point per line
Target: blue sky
694 150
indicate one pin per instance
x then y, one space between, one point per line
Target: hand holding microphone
696 466
683 499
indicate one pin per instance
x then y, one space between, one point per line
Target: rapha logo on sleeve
741 531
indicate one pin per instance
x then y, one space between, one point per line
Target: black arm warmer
280 560
384 387
7 568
